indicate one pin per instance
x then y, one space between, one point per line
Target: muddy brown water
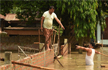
15 56
73 61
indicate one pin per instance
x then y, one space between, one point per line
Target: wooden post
41 45
8 56
39 34
99 59
2 24
65 41
59 38
69 48
54 38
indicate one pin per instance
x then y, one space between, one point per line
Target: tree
6 6
82 14
102 10
30 9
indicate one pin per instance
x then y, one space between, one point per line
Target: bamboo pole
58 61
30 65
54 38
22 51
59 38
104 54
55 30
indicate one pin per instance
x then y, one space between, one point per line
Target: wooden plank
36 42
21 28
23 32
29 48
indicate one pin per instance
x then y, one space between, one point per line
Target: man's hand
77 47
97 52
59 22
42 29
63 27
42 18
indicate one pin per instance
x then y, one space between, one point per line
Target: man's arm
83 48
42 23
59 22
97 52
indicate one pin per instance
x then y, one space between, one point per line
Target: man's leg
51 33
48 42
46 34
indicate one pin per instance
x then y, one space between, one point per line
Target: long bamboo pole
104 54
30 65
22 51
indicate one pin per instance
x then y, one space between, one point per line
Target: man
48 17
90 53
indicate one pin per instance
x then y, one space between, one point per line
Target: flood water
15 56
75 61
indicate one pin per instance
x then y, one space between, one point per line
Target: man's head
51 9
92 45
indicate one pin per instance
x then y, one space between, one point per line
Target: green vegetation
82 15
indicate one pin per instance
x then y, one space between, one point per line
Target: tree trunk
69 48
